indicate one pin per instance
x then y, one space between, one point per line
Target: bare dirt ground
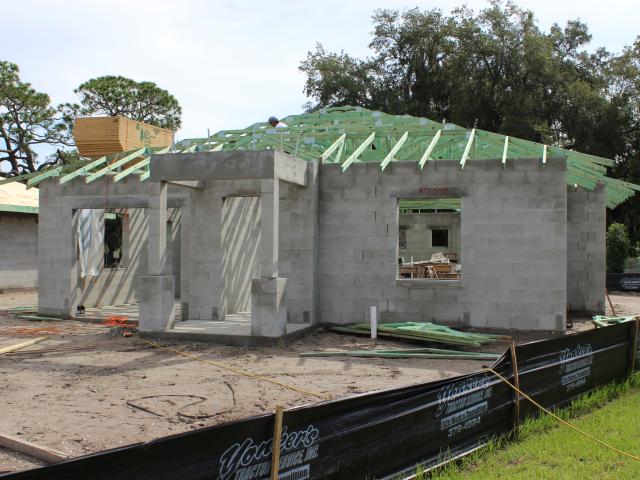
80 401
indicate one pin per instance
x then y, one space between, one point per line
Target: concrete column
269 222
157 244
156 290
269 307
57 253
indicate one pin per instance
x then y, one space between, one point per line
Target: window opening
429 238
113 228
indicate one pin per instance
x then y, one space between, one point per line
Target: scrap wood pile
423 332
604 321
433 353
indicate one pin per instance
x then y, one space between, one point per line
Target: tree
27 120
120 96
618 247
497 70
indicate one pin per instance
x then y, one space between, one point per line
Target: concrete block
269 307
156 296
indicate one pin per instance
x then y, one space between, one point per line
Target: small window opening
113 228
439 238
429 238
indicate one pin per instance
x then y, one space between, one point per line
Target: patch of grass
546 449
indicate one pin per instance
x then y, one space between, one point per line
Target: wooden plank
277 438
467 149
18 346
337 144
354 156
505 151
114 165
429 149
34 450
516 383
393 151
83 170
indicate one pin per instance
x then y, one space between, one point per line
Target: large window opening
429 239
113 240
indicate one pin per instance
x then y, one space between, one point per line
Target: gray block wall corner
586 249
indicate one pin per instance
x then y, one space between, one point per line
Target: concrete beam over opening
233 165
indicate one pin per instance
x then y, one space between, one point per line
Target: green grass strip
545 449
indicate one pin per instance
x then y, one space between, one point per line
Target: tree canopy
498 70
28 120
120 96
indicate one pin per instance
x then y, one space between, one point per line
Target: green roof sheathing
347 135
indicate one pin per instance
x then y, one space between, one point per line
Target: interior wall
18 250
419 226
240 238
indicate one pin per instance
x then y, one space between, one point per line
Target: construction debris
433 353
45 454
424 332
604 321
18 346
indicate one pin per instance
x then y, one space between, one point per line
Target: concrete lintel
213 165
233 165
195 184
290 169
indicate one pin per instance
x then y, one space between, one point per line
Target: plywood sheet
99 136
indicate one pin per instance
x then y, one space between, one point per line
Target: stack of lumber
433 353
603 321
424 332
96 137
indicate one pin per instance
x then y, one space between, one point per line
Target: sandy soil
79 401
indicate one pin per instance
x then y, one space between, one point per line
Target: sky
229 63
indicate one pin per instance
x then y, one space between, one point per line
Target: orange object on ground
119 321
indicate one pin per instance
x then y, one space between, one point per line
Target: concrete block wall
586 249
60 287
18 250
222 255
205 283
419 227
241 247
117 286
298 251
513 244
57 253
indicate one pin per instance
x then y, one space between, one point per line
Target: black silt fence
376 435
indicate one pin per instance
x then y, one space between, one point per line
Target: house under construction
262 232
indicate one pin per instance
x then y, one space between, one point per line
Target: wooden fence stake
277 437
613 311
516 383
634 343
